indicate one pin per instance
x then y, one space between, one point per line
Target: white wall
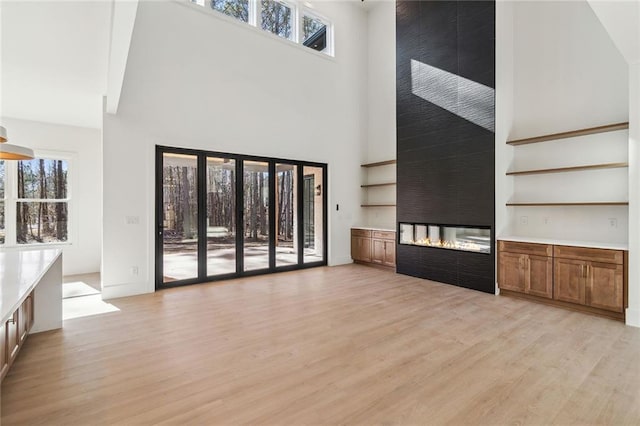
381 104
82 254
199 81
567 75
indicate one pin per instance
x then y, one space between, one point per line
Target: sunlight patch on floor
78 307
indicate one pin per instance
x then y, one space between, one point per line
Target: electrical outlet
132 220
134 271
613 222
546 220
524 220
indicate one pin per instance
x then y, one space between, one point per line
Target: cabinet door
13 339
25 317
605 286
570 281
511 272
539 276
361 249
378 251
390 253
4 356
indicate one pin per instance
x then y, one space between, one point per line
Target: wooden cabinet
361 245
25 317
384 248
4 357
377 247
14 332
13 339
589 279
526 269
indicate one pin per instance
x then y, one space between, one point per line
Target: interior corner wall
445 133
381 108
198 80
82 254
568 74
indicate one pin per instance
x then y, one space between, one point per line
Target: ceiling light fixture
13 152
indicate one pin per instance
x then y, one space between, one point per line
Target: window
314 33
34 201
284 18
276 17
238 9
42 207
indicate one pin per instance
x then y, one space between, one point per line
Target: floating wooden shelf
599 203
377 205
375 185
569 169
380 163
571 134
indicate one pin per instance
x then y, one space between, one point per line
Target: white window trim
254 24
11 200
307 11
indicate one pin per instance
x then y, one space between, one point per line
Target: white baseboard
633 317
124 290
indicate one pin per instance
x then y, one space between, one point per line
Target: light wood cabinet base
374 247
566 305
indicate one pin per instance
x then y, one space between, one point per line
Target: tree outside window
238 9
276 18
42 201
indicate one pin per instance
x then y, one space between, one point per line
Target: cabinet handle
582 270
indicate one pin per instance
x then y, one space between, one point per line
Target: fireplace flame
448 244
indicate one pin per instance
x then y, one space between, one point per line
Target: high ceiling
54 60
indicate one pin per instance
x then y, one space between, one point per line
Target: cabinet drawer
384 235
360 232
525 248
589 254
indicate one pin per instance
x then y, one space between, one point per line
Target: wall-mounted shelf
377 185
568 169
383 199
570 134
598 203
379 163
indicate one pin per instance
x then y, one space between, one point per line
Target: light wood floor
345 345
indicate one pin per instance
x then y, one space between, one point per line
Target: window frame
299 10
11 200
307 11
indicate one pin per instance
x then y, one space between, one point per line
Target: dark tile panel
445 169
474 282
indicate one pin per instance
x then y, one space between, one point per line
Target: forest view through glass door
225 215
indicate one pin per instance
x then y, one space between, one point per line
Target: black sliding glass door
226 215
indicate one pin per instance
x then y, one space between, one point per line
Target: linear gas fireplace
462 238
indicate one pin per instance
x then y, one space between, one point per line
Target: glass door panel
256 215
286 223
221 216
312 214
179 217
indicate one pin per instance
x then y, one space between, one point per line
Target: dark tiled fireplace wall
445 119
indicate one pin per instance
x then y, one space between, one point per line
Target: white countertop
20 271
589 244
368 228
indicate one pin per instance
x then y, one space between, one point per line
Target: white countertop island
25 270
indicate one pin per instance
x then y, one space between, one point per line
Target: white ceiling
54 60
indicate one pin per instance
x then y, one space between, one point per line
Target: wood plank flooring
345 345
